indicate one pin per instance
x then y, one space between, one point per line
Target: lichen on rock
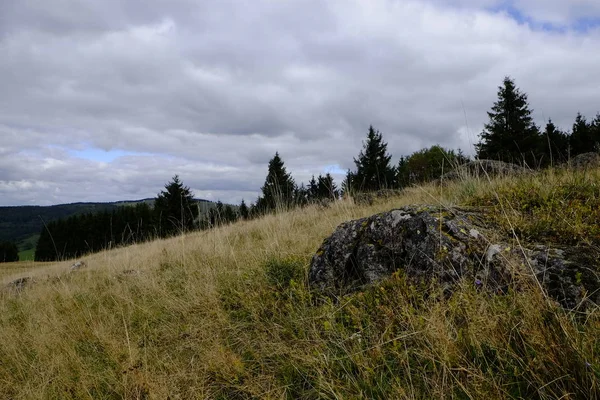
425 242
446 246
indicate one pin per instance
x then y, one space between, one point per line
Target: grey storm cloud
210 90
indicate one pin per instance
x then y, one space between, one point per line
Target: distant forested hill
19 223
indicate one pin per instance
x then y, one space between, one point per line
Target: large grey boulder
423 241
569 275
585 161
485 168
446 246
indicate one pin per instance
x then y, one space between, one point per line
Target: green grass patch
27 247
27 255
560 207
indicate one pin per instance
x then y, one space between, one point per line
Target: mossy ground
227 314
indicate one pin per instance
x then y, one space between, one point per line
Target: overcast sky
107 100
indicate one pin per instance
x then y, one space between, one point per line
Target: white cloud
211 90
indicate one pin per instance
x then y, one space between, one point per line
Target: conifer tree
312 190
279 187
554 145
244 210
510 135
373 169
229 214
326 188
581 140
175 208
301 195
321 188
222 214
401 172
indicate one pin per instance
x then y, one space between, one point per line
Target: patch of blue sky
587 24
524 19
580 25
334 169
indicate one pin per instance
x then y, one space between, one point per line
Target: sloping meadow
227 313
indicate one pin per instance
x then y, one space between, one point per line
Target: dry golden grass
207 315
20 268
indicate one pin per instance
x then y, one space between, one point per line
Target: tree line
510 135
175 210
92 232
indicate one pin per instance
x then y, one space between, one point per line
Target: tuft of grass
227 314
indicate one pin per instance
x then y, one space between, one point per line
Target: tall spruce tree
510 135
279 188
244 210
175 208
373 169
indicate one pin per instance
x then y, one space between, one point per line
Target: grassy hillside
226 314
